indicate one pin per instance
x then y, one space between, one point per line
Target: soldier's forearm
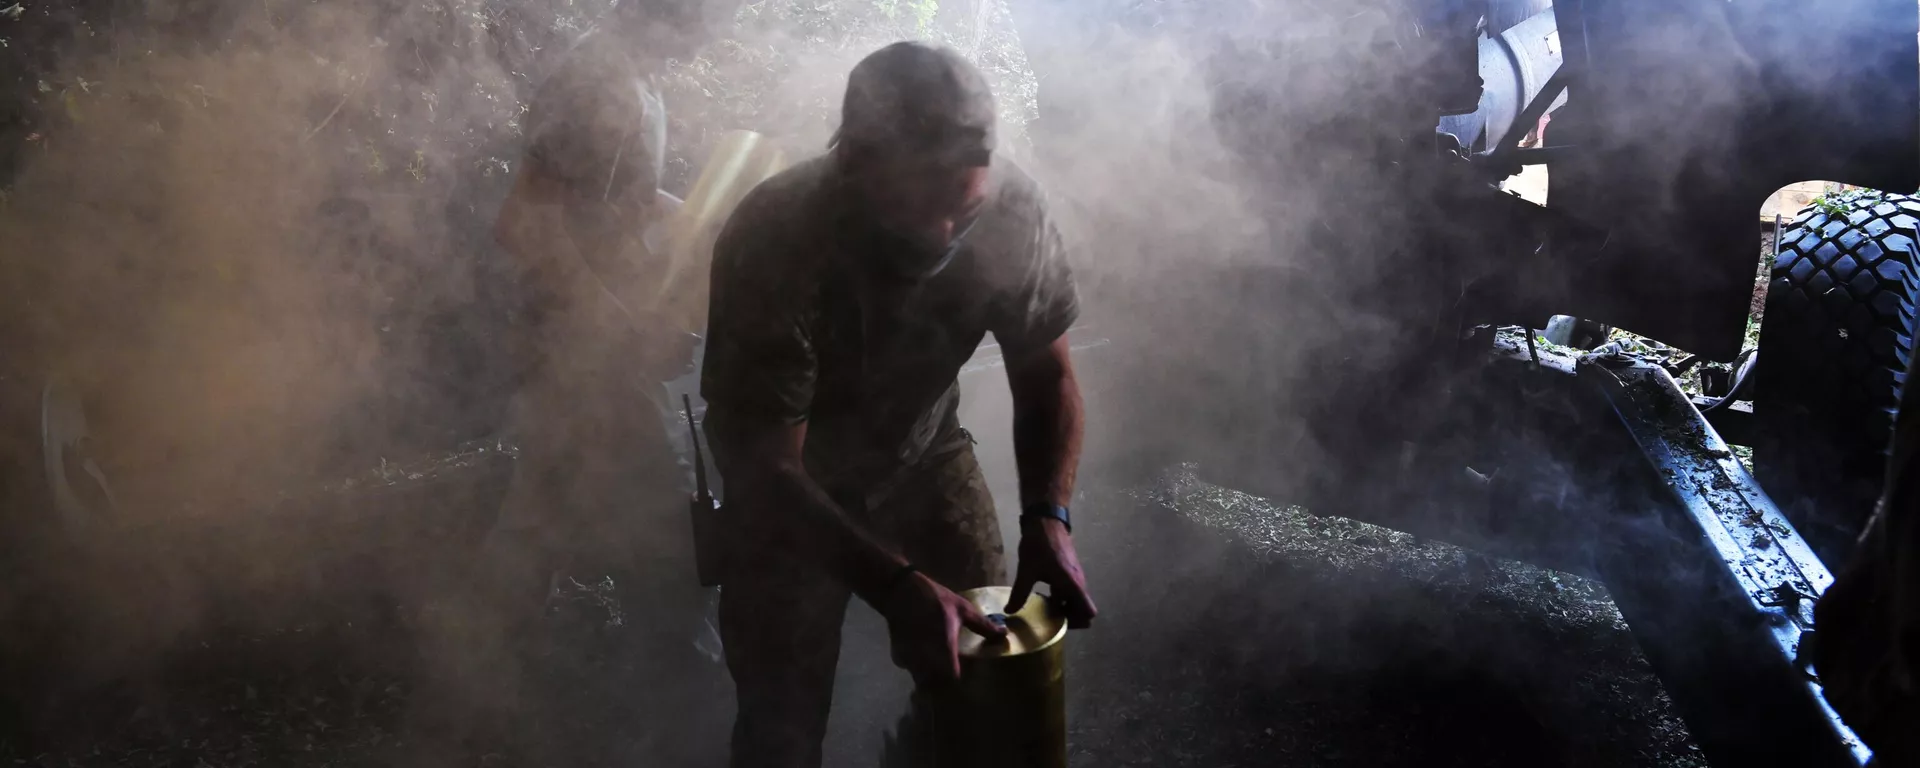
1048 424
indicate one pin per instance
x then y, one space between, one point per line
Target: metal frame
1720 597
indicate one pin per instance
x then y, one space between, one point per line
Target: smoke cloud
257 235
256 239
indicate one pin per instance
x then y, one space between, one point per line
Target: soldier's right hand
924 621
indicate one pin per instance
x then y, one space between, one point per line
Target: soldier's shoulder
1017 206
786 202
776 224
1014 188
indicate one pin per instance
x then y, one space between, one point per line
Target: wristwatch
1050 511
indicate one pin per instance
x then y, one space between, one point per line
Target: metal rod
1776 239
1504 152
701 493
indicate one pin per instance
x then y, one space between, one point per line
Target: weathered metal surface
1750 535
1722 596
1514 67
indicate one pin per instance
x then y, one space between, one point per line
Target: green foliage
1744 454
1840 202
924 12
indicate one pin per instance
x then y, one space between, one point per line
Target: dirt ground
1234 632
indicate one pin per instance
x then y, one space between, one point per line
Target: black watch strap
1048 510
900 576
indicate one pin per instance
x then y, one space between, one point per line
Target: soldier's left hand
1047 557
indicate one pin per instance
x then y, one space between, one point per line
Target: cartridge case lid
1037 626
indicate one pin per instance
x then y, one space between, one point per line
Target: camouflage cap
923 99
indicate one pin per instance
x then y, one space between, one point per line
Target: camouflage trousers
781 614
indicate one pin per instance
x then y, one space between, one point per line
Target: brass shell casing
740 160
1009 709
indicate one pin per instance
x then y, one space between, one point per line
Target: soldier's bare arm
1047 414
1048 423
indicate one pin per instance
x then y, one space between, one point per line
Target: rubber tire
1835 343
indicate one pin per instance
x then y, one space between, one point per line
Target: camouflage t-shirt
803 327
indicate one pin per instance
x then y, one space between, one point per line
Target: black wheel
1835 343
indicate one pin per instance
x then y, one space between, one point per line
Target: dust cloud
1222 165
255 237
255 234
258 233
